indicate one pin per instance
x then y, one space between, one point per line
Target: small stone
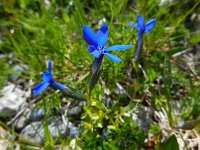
3 133
17 71
188 125
75 111
144 117
3 142
73 132
11 99
82 103
35 131
23 120
37 114
108 102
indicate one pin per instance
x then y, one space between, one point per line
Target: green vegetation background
34 31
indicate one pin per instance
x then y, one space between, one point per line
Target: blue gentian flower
142 28
97 43
47 81
97 48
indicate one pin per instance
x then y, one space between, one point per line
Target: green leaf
111 127
195 39
73 145
49 144
171 143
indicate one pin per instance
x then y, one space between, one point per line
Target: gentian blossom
97 43
97 48
142 28
47 81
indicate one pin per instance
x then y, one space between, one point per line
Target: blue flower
97 43
141 27
47 81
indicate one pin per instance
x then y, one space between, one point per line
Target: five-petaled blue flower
142 28
97 43
47 81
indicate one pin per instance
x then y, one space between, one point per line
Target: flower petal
58 85
40 88
93 51
149 26
89 36
47 77
140 22
113 57
118 47
102 35
132 25
49 65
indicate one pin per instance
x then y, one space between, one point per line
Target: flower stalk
142 28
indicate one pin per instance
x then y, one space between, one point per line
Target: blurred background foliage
33 31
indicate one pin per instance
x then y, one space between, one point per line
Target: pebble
56 126
11 99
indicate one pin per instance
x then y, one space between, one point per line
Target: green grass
56 33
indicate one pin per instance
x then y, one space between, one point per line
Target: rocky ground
19 112
22 120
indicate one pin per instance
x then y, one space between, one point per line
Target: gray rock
188 125
73 132
75 110
18 70
57 127
144 117
37 114
82 103
33 132
108 102
4 143
23 120
11 99
165 2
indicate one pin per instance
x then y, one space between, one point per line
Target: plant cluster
151 73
